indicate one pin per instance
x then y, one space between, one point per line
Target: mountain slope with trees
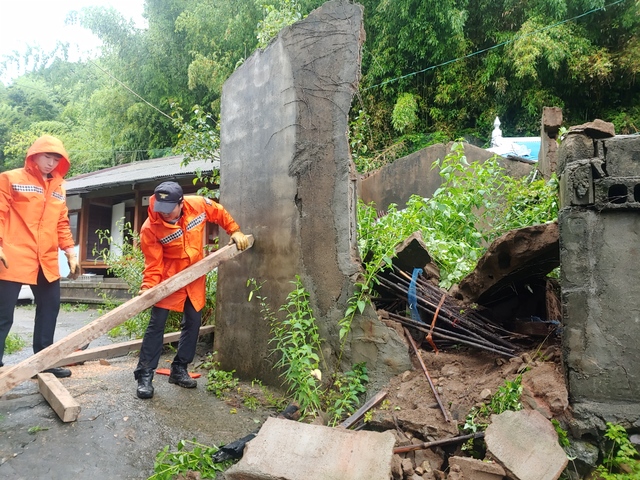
432 71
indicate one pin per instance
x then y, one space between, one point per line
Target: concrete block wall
599 225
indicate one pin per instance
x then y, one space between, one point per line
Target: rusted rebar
424 369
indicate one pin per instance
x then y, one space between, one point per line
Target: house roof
167 168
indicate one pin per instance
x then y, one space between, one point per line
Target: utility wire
518 37
127 88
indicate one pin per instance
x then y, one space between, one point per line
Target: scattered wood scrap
438 443
46 358
359 414
58 397
119 349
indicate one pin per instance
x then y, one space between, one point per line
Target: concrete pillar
599 225
288 179
549 129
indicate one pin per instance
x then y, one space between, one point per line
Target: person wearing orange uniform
171 239
34 223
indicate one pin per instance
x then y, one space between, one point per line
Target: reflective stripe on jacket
170 248
34 220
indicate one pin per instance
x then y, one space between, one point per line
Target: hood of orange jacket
34 220
48 144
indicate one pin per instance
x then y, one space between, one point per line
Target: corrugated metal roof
137 172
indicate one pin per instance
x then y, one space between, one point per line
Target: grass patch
14 343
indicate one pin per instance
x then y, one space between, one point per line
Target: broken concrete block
509 441
474 469
621 155
551 120
596 129
574 147
297 451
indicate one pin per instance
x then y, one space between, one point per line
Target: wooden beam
118 349
46 358
58 397
372 402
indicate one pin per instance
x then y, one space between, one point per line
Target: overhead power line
127 88
518 37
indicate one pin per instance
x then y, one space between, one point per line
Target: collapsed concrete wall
288 179
599 226
414 175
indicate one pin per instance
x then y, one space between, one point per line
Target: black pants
152 341
47 298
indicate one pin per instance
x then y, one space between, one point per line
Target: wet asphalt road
117 435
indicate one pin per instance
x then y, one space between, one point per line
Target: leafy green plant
126 260
275 18
622 460
36 429
404 116
474 204
169 464
507 397
271 399
198 139
563 438
14 343
297 342
218 381
347 388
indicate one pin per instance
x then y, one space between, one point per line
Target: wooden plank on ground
46 358
119 349
58 397
372 402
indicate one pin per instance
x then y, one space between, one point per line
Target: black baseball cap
168 195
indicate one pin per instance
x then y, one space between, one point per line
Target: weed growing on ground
622 460
168 464
563 437
74 307
298 347
14 343
344 396
507 397
219 381
36 429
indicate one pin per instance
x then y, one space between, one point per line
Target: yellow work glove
240 239
74 266
142 290
3 259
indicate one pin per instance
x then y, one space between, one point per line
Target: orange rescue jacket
170 248
34 220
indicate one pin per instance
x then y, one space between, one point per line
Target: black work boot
59 372
180 376
145 389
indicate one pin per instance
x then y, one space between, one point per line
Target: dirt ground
118 435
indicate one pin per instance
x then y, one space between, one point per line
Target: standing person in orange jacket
172 238
34 223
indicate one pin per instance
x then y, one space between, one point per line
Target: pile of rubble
499 324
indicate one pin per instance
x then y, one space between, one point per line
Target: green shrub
13 343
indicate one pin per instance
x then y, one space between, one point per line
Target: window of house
73 223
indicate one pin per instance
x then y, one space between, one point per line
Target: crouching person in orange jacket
172 238
34 223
